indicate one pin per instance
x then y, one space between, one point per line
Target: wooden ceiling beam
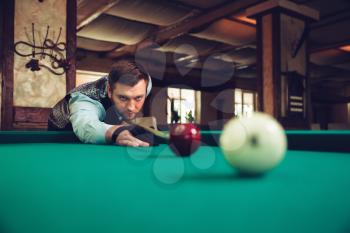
242 22
331 19
326 27
164 34
194 81
206 18
333 45
88 10
172 76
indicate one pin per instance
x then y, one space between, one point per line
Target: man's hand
125 138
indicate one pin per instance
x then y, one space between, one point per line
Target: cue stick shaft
155 132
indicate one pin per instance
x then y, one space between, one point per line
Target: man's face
127 99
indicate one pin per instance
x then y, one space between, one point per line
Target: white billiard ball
255 144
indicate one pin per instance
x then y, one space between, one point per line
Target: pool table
52 183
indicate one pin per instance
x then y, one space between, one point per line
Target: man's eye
123 98
138 98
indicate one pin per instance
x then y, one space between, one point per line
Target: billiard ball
255 144
184 139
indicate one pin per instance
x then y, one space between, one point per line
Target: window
245 102
84 76
182 105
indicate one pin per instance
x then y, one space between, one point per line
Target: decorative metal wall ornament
53 50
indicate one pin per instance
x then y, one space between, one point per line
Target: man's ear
109 91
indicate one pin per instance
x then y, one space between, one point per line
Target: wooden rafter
184 26
330 19
324 27
333 45
88 10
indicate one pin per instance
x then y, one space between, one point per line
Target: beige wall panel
40 88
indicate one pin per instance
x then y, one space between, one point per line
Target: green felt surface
72 187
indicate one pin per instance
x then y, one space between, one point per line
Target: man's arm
87 115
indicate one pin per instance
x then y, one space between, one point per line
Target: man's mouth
129 115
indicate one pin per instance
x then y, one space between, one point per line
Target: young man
84 109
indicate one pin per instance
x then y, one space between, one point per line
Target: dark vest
97 90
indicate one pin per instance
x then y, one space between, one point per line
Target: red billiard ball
184 139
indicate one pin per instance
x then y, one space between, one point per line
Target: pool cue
158 133
161 134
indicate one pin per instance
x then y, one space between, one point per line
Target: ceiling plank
93 62
90 10
184 26
334 45
203 19
238 20
330 19
320 32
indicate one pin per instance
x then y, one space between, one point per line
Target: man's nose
131 106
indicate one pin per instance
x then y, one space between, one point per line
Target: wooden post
283 90
71 43
7 26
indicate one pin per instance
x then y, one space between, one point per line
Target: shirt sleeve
86 116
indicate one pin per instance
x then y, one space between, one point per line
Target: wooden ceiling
192 36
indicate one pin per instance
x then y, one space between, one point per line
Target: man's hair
126 72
